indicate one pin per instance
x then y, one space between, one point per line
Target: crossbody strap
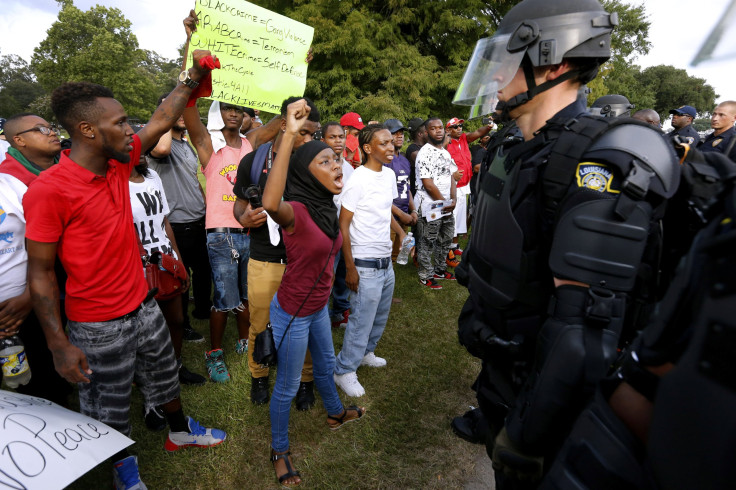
308 294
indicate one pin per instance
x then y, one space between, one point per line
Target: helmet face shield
491 68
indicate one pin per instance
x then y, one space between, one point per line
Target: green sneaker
242 346
215 361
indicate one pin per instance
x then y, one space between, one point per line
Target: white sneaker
371 360
348 383
198 436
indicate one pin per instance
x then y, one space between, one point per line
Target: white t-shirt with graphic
13 254
436 164
150 207
369 196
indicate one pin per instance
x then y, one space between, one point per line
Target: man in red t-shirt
80 210
460 153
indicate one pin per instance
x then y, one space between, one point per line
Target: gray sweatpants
136 347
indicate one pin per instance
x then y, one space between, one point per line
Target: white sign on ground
46 446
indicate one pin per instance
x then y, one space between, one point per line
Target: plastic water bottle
406 245
16 370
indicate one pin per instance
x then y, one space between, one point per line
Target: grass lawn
404 441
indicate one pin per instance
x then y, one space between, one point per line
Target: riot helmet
536 33
611 106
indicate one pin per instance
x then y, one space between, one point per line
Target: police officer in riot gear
611 106
563 229
664 418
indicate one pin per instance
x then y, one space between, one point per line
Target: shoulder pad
645 144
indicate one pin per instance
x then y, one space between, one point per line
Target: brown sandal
349 414
290 471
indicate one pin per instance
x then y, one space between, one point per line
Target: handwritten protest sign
45 446
262 53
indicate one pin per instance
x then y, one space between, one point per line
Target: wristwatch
184 78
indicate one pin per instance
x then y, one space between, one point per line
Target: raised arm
198 135
174 105
280 211
479 133
163 147
265 133
170 109
69 360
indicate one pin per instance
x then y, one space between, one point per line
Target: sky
678 29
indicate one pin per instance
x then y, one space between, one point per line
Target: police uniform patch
716 142
596 177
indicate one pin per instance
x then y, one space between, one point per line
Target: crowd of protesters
262 263
286 224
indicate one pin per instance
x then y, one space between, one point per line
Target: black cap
415 123
394 125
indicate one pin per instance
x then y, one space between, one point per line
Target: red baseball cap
352 119
454 121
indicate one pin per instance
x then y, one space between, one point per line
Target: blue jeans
229 253
311 331
369 309
340 291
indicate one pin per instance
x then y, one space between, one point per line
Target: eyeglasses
44 130
457 126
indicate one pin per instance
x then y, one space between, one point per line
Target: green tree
405 58
162 72
401 58
673 87
18 85
701 124
98 46
629 40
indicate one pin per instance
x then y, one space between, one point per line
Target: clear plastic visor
491 68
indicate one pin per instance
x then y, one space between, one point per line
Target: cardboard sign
46 446
261 52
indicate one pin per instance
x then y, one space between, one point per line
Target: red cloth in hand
209 62
204 89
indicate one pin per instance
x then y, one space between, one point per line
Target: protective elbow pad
592 245
556 392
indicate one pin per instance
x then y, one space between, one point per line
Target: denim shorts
229 253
